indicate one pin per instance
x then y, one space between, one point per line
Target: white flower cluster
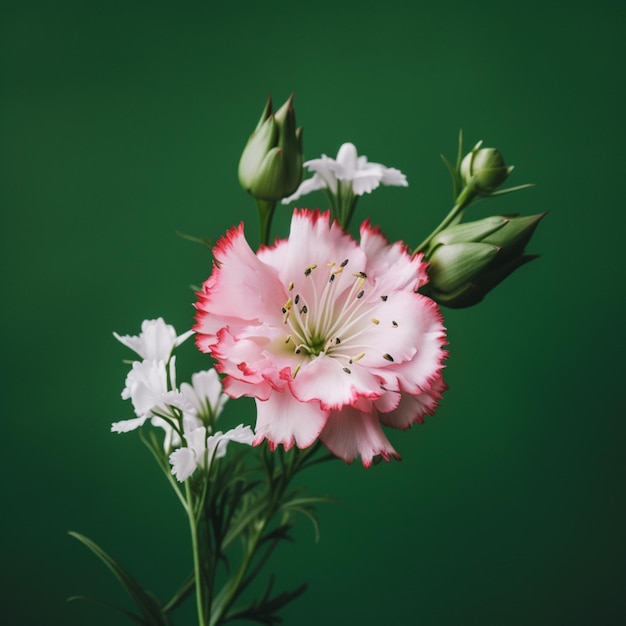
189 412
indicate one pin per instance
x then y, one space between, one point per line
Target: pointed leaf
146 603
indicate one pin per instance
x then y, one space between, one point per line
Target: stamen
304 309
291 285
337 341
388 357
288 339
375 321
358 357
308 270
295 372
347 370
344 263
360 275
360 294
331 278
384 298
297 299
394 323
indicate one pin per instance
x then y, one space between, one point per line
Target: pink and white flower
328 335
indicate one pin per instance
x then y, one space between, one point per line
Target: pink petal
350 433
392 262
313 240
416 374
326 380
413 408
241 290
281 419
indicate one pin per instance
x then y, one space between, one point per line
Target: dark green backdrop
122 122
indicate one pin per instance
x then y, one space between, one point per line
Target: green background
122 122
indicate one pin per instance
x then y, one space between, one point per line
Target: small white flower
347 174
156 341
202 449
205 394
147 388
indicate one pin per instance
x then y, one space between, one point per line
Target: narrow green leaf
110 605
182 593
146 603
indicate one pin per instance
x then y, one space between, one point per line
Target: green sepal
469 231
515 235
450 267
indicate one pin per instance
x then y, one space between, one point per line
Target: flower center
329 319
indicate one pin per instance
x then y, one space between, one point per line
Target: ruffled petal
350 433
365 181
281 419
391 263
183 462
393 176
413 408
333 385
126 426
232 295
217 444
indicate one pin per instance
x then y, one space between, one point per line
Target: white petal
306 186
156 341
392 176
346 162
183 463
217 443
126 426
366 181
205 394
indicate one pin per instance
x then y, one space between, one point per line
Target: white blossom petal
205 394
183 463
348 173
199 448
156 340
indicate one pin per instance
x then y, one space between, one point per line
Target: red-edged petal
334 385
281 419
391 262
350 433
413 408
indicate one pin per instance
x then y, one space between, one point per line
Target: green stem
463 199
266 212
203 609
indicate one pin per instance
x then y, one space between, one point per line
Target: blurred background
123 122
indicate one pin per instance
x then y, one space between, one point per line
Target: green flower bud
484 168
270 167
466 261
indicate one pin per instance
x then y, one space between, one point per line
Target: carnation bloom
348 174
328 335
